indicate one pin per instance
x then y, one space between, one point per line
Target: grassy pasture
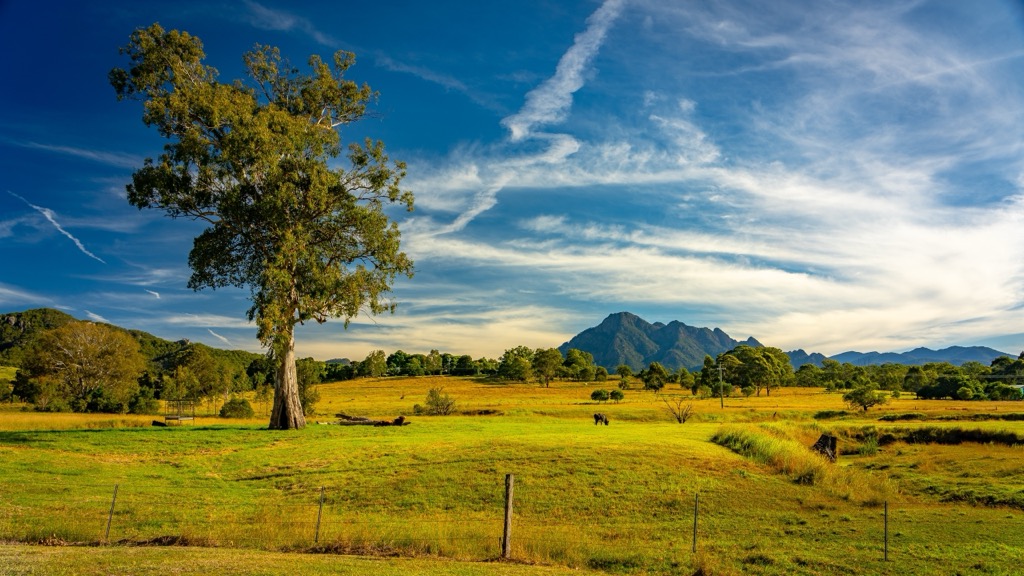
614 499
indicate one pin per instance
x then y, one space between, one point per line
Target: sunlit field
621 498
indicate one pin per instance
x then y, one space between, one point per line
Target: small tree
599 395
679 412
439 403
865 397
616 395
655 377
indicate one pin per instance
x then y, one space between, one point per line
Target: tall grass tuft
777 448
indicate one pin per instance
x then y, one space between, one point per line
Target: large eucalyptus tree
250 159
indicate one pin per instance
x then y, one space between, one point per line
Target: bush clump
237 408
437 404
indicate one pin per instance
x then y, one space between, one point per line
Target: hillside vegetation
613 499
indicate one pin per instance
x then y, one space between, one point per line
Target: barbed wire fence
501 525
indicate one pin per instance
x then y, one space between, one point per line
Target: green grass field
429 497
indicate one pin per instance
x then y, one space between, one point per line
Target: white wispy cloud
266 18
219 337
116 159
96 317
206 321
154 293
445 80
17 296
51 217
547 104
550 102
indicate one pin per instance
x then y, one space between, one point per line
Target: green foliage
579 365
237 408
144 402
616 395
374 365
309 373
516 364
546 362
600 395
82 365
654 377
439 403
864 397
18 329
869 447
765 367
684 378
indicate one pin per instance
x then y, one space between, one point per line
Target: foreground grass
616 498
25 560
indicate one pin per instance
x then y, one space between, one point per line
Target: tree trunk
287 413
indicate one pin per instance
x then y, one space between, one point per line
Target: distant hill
17 329
625 338
798 358
955 355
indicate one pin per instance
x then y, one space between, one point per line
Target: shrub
616 395
438 403
869 447
236 408
600 395
144 403
827 414
906 416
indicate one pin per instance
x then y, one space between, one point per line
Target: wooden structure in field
179 410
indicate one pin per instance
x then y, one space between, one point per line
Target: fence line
125 511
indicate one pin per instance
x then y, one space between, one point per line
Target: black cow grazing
599 418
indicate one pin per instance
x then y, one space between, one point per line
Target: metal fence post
110 516
506 541
696 501
319 514
885 556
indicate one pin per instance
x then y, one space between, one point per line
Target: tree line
88 367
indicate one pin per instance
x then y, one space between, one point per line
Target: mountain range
625 338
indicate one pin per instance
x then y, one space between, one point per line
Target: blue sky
822 175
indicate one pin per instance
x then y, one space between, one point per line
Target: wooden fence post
506 540
110 516
696 501
319 514
885 556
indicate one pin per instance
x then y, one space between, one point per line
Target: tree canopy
92 367
250 159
